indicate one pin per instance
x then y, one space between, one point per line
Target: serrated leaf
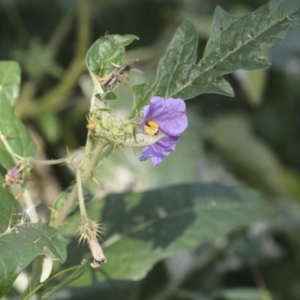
235 43
21 243
14 135
143 228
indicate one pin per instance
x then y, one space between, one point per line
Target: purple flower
166 117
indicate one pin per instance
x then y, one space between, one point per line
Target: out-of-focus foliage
252 139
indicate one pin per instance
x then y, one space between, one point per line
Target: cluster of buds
105 127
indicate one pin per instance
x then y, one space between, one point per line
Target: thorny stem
97 157
34 161
32 292
80 195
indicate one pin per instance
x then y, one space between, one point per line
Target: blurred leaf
239 294
253 82
144 228
114 290
235 43
291 180
14 133
38 60
49 125
22 242
250 156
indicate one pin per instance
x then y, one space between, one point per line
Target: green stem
32 292
34 161
37 269
80 195
96 158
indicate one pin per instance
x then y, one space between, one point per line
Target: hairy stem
34 161
80 195
97 157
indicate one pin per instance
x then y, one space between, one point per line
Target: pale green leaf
15 138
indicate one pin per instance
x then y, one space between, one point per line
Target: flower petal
169 114
158 151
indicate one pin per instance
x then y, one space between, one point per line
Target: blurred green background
252 139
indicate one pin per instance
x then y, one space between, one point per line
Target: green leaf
21 245
21 242
101 59
143 228
10 208
235 43
5 158
107 50
15 138
49 125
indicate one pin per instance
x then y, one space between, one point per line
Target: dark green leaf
22 242
235 43
144 228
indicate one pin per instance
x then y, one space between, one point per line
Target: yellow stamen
151 128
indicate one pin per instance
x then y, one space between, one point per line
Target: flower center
151 127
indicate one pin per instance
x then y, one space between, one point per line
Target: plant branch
80 195
96 158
